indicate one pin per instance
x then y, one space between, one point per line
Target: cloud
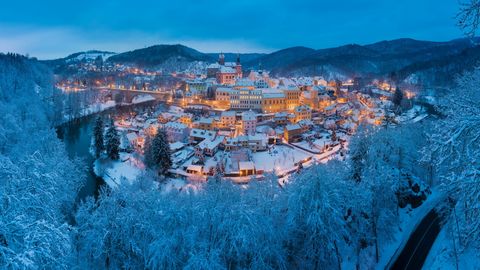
56 42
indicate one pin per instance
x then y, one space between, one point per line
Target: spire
238 59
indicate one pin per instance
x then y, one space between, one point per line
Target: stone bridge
128 94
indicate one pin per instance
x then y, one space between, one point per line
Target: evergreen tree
112 142
98 137
157 154
334 135
397 97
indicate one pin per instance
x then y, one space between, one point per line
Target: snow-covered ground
442 255
98 107
415 114
280 159
127 168
92 109
90 56
180 185
316 146
142 98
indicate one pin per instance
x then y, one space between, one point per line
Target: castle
226 73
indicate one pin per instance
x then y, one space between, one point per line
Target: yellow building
186 119
310 98
228 119
292 132
302 112
292 98
205 123
222 97
323 102
273 100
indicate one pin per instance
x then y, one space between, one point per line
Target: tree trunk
455 250
339 261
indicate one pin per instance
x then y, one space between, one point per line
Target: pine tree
397 97
112 142
98 137
157 154
334 136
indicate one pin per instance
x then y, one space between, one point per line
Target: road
416 250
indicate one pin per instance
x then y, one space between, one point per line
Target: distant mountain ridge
376 59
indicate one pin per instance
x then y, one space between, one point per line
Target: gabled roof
201 133
291 127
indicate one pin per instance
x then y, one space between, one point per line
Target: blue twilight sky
55 28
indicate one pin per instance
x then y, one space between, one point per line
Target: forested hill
377 59
159 54
38 183
442 70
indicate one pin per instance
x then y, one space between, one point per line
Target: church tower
238 67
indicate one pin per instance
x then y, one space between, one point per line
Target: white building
246 99
198 135
249 122
176 132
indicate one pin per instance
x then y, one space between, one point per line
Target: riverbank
96 108
77 135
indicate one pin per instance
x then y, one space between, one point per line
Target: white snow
128 168
280 159
142 98
442 255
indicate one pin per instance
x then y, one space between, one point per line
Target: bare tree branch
469 17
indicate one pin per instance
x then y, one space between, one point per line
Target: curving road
416 250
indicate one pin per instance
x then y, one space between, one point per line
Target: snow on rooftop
176 146
246 165
211 144
224 69
175 109
200 133
175 125
195 168
228 113
214 65
302 108
244 82
290 127
249 116
272 93
205 120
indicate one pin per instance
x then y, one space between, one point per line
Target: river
77 136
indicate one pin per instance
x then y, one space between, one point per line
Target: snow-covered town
241 128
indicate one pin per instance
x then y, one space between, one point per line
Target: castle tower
221 59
